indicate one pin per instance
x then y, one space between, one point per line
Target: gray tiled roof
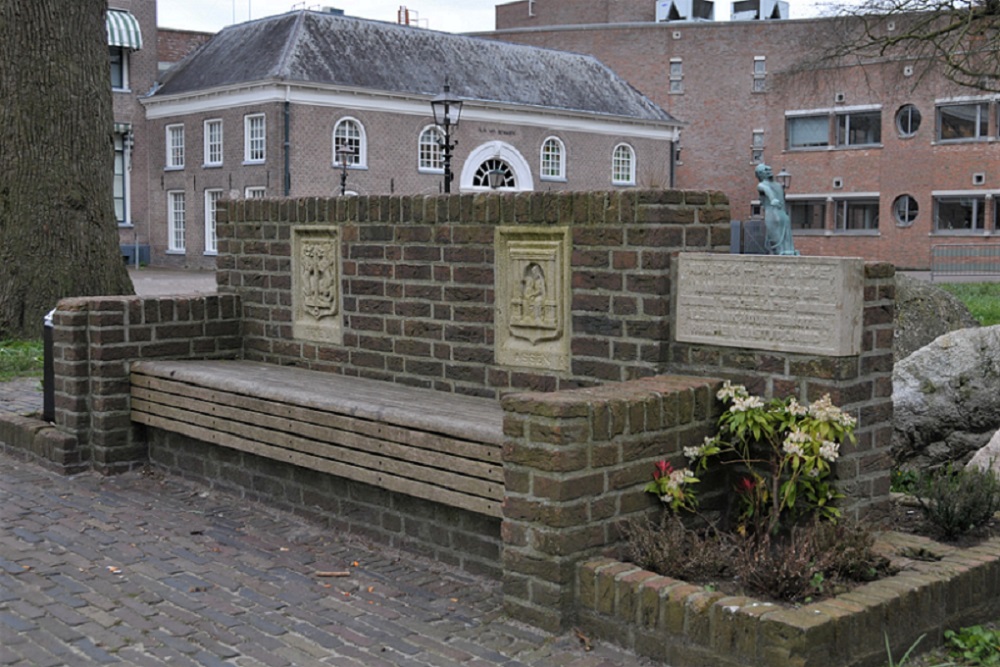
321 48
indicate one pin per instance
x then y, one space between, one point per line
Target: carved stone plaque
316 293
811 305
532 297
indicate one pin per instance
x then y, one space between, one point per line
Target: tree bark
58 235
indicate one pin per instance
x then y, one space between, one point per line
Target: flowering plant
672 486
785 451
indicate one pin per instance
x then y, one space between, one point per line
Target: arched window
502 172
350 132
623 165
429 156
553 160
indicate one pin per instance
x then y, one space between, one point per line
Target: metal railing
967 259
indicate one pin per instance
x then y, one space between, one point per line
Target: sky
444 15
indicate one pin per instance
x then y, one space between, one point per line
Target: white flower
692 453
730 390
794 442
814 472
797 408
743 404
829 451
792 448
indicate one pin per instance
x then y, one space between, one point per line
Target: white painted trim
964 193
496 150
363 100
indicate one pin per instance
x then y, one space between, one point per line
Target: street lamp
495 178
447 109
345 154
784 178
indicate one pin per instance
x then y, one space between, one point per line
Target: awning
123 30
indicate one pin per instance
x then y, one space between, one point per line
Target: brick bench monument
486 379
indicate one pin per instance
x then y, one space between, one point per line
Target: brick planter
685 624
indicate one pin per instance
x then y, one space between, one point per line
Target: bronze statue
778 238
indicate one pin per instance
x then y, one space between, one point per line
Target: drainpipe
288 157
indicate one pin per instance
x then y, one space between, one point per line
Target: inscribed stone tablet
316 292
810 305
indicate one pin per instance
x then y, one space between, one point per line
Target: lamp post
784 178
345 154
447 110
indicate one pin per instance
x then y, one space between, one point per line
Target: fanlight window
502 170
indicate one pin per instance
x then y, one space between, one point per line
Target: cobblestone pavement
139 569
22 396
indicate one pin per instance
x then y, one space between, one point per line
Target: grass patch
982 300
20 358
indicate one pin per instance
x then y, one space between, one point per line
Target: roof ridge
282 68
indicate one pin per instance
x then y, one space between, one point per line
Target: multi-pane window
349 132
960 213
255 192
957 122
212 198
759 74
757 152
859 128
907 120
810 131
856 214
623 165
120 184
429 153
119 67
807 214
175 221
255 138
553 161
175 146
676 75
213 143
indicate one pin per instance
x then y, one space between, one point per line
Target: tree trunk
58 235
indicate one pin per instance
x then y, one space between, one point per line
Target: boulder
988 458
924 312
947 398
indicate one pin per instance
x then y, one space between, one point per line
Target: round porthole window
907 120
905 210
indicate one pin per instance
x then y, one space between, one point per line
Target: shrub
958 501
671 549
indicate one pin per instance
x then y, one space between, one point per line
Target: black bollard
48 372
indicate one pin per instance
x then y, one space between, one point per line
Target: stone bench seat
424 443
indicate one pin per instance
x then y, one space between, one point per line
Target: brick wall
418 282
94 341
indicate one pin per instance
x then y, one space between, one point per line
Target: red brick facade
703 73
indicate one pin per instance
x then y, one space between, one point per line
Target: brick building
886 163
259 109
132 55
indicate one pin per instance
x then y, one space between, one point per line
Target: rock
924 312
947 398
988 458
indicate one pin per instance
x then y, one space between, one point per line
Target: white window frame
842 206
175 145
676 74
982 123
254 142
981 210
759 84
213 146
843 127
212 197
124 55
255 192
552 164
757 146
123 160
430 157
908 120
816 118
358 141
176 221
622 161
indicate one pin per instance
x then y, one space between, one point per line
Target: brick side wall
94 341
575 463
418 282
